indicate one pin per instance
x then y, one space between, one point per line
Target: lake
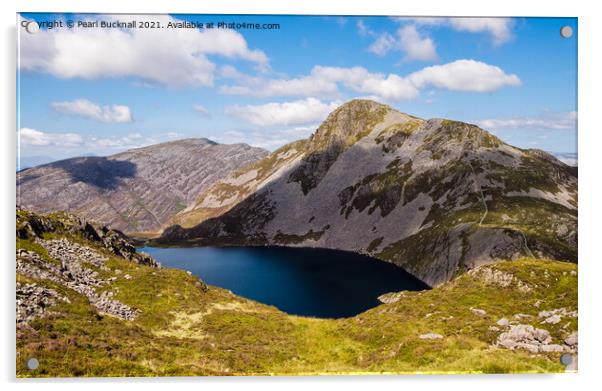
301 281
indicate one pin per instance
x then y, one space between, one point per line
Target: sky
101 90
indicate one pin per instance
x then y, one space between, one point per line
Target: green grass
185 329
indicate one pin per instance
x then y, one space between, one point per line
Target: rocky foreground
89 305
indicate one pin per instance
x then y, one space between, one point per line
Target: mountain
135 191
436 197
88 305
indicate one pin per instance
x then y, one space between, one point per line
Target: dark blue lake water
302 281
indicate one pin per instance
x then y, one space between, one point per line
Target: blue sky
103 90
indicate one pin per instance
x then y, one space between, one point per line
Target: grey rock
553 348
535 340
572 340
33 301
554 319
503 322
523 334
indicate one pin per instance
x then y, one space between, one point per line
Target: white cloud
169 56
464 75
358 79
415 46
230 72
85 108
408 41
383 44
29 136
460 75
546 121
323 81
286 113
201 110
500 29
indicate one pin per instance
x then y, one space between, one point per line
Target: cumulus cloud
324 81
172 57
358 79
415 46
408 41
500 29
286 113
29 136
418 47
464 75
460 75
546 121
85 108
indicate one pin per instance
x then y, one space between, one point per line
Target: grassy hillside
185 327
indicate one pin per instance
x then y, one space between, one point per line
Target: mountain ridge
136 190
436 197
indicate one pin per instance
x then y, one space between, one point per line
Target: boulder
431 336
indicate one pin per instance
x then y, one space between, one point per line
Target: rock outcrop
535 340
436 197
134 191
33 301
65 262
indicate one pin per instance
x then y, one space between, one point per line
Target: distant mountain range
136 191
436 197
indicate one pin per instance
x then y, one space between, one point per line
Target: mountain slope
436 197
99 308
136 191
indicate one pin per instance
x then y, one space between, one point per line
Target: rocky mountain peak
348 123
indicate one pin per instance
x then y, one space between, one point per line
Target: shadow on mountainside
101 172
